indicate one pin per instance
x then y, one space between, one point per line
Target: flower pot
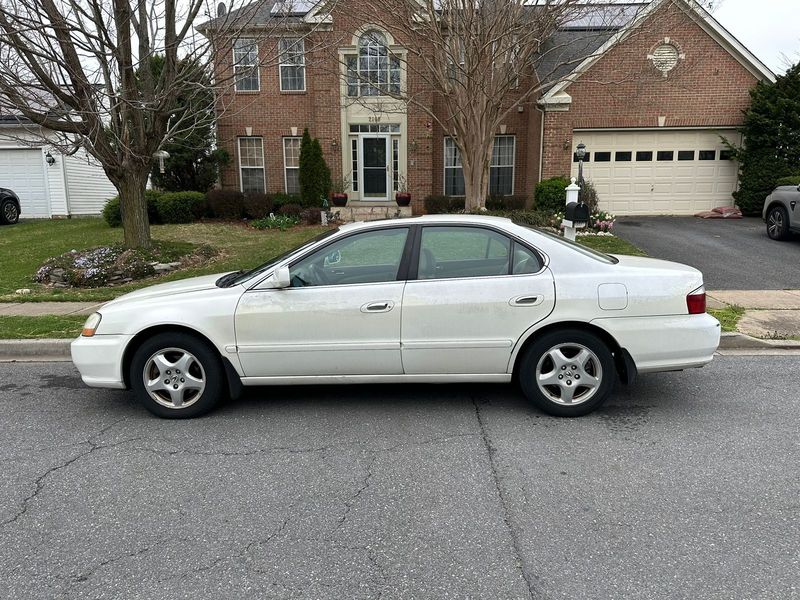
339 199
402 198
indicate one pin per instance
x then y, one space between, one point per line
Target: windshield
607 258
241 278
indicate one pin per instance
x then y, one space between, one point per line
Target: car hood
641 262
184 286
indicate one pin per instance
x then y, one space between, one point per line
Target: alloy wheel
10 212
569 374
775 224
174 378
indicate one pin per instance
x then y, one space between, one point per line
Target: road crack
530 579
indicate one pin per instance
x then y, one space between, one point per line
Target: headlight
91 325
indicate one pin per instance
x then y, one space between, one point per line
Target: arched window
374 72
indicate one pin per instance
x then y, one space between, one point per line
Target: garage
660 171
22 170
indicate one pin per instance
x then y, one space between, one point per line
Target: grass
31 328
24 247
609 245
728 317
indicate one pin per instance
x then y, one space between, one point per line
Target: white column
572 196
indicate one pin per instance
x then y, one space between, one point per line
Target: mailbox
577 214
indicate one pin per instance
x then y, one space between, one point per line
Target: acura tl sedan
434 299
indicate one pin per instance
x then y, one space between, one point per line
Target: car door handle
526 301
377 307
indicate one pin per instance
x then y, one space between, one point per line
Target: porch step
349 214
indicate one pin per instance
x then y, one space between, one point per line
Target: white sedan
432 299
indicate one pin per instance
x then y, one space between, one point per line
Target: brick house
651 103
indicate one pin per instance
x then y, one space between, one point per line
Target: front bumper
99 359
665 343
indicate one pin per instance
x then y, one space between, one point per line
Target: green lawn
29 328
24 247
728 317
609 245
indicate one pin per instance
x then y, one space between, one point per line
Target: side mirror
279 279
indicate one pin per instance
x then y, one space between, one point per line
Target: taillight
696 301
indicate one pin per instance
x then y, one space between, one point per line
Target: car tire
567 373
9 212
778 223
177 376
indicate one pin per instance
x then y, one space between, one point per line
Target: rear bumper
99 359
666 343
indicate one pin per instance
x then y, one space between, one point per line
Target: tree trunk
476 179
133 204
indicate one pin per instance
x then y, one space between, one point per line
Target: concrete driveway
733 254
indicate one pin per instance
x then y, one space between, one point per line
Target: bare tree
485 58
82 71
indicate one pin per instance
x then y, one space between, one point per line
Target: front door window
375 152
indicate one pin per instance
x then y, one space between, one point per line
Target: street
686 485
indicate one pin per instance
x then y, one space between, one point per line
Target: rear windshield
601 256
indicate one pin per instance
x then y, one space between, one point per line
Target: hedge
791 180
113 214
550 195
181 207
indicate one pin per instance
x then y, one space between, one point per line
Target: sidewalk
771 320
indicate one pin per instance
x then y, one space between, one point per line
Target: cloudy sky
769 28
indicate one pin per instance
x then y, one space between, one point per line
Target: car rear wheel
778 223
9 213
177 376
567 373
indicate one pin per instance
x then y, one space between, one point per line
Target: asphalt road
733 254
685 486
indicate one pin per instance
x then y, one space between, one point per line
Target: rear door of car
471 293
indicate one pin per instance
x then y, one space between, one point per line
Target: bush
588 195
181 207
436 205
506 203
550 195
281 222
257 205
792 180
225 204
314 174
291 210
112 213
531 218
281 198
310 216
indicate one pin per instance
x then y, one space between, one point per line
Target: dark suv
9 207
782 212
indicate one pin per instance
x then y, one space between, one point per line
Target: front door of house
375 167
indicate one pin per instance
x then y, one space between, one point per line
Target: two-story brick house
651 102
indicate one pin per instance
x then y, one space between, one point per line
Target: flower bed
113 265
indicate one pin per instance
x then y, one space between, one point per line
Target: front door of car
340 316
471 294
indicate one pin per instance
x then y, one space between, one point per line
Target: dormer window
374 72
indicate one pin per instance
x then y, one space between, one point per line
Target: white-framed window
292 64
374 72
291 164
251 164
501 170
245 65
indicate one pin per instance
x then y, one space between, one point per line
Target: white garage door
663 172
22 170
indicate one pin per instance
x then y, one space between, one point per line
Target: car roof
424 219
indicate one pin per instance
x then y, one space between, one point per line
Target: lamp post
580 152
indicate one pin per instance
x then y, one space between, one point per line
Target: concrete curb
740 341
58 350
35 350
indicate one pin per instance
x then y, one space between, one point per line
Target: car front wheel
778 223
177 376
9 213
567 373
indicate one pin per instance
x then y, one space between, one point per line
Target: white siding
56 186
88 188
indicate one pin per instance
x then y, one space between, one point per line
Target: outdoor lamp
581 151
49 158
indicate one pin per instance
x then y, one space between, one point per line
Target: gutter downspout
541 143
